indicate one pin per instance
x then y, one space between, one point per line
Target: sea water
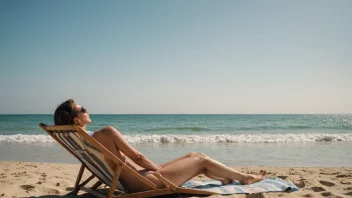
236 140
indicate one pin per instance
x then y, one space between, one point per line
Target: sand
26 179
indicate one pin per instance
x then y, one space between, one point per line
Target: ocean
235 140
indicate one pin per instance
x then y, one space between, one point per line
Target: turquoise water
282 140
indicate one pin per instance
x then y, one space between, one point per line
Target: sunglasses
82 110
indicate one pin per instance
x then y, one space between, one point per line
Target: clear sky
176 56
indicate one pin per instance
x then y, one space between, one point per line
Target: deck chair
91 154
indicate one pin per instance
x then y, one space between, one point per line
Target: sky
176 57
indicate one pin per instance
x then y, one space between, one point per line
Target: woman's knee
191 154
105 133
201 156
108 131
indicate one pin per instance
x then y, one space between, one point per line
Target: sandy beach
29 179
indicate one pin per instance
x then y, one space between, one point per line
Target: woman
177 171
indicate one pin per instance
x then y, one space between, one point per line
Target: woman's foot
250 179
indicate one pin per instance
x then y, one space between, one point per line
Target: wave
259 128
243 138
250 128
178 129
293 127
20 138
205 138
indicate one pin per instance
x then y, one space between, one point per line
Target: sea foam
20 138
205 138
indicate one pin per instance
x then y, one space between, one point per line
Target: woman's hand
159 167
146 163
136 156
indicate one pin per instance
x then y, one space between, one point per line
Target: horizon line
187 114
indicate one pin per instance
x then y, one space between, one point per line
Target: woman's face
82 115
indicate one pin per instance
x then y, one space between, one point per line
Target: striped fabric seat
92 157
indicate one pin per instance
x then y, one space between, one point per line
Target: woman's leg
184 170
208 174
105 139
177 159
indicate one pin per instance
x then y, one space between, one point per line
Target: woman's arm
136 156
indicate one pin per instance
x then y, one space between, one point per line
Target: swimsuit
90 133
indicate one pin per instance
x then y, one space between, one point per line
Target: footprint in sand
256 195
346 182
326 194
282 177
27 187
51 191
330 195
69 188
300 183
343 176
317 189
326 183
307 195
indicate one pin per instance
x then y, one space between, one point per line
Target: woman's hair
65 113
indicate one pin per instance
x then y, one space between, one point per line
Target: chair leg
96 185
77 189
79 177
86 181
115 180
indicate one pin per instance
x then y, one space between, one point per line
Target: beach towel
273 184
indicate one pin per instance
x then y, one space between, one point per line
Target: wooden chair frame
121 166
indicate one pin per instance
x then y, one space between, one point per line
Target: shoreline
28 179
310 154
